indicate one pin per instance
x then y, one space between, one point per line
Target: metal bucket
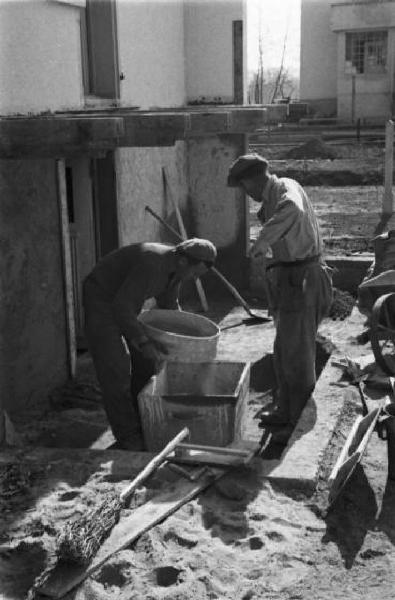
187 337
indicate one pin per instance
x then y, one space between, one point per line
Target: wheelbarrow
376 299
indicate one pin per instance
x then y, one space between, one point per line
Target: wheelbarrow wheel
382 334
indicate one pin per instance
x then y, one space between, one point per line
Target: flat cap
199 249
242 164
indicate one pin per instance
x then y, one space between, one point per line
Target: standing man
298 282
114 294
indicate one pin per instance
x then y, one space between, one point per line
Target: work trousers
299 297
121 369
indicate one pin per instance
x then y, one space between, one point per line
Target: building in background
97 97
347 58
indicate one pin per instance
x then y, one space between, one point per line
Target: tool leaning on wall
254 317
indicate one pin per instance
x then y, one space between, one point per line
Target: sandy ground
241 539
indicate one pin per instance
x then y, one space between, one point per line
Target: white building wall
362 15
373 92
209 48
40 56
151 52
140 183
318 57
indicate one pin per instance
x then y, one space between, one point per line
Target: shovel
254 317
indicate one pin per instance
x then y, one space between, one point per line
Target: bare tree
280 72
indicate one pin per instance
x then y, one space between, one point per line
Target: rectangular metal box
208 397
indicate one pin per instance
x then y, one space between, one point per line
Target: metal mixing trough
208 397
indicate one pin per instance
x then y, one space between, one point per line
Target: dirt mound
313 148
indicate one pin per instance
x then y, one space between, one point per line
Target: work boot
282 435
134 442
273 417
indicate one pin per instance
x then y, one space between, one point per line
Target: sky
275 19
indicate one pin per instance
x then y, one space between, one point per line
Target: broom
80 539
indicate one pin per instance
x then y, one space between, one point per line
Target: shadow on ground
352 515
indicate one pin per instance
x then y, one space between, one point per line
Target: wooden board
352 453
64 578
194 454
67 266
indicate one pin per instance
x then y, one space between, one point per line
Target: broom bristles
81 538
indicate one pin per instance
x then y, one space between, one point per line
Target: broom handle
227 283
184 235
153 464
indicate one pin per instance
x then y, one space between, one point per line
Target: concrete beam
302 458
64 134
56 136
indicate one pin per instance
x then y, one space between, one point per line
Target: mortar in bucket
187 337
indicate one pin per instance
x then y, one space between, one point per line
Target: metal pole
388 168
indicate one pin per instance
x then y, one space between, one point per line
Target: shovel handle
227 283
153 465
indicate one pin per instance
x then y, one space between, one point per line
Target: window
366 51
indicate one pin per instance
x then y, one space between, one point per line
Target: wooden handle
153 464
227 283
184 235
232 290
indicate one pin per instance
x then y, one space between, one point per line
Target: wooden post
388 169
67 266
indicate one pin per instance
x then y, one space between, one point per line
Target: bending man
114 294
298 282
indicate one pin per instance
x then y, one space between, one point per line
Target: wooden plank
64 578
345 451
67 267
356 444
211 455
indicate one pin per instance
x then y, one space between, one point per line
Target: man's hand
154 351
259 250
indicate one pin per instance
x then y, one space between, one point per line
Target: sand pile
313 148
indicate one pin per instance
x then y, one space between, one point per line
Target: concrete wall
219 213
151 52
33 355
139 183
318 54
40 57
209 48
